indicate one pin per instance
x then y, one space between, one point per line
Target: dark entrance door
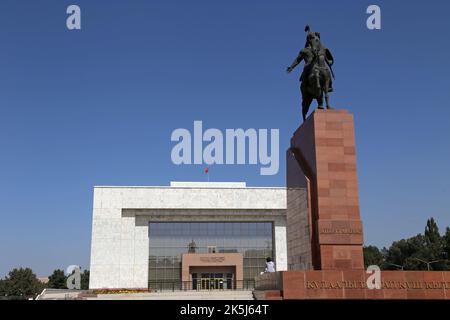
213 281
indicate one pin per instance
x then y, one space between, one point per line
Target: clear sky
97 106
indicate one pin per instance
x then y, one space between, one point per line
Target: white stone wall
280 245
120 248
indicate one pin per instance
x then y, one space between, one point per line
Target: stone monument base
351 284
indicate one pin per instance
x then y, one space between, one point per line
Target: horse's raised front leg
327 97
320 102
306 102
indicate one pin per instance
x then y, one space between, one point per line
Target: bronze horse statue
317 76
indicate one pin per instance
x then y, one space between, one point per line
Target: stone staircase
59 294
179 295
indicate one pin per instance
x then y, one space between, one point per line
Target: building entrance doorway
212 271
212 281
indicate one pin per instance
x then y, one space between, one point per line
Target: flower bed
118 291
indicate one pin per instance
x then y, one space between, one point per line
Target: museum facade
189 235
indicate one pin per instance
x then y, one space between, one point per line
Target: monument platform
351 284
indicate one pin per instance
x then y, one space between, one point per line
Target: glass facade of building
169 240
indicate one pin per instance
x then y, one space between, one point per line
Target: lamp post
428 263
395 265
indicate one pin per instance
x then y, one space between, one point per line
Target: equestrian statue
317 76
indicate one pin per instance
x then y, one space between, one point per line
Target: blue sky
97 106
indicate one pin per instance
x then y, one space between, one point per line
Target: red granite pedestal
324 149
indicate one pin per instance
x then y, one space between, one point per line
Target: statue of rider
314 53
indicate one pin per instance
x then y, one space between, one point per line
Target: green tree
446 248
57 280
434 246
22 283
2 287
405 253
414 253
85 280
373 256
432 236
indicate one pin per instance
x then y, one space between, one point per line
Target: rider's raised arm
297 60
